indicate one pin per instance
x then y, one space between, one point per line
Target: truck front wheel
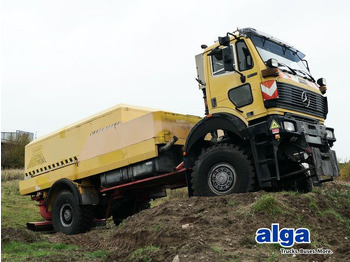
69 217
221 170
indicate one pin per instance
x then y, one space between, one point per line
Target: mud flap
40 226
325 164
46 226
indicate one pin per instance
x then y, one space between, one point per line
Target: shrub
345 170
12 152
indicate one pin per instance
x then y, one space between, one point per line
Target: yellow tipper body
117 137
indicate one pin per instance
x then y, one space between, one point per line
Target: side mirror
224 40
272 63
227 54
322 82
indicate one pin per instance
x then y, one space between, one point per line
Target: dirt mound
223 228
20 235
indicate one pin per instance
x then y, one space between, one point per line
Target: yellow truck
263 129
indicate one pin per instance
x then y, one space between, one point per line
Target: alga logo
286 237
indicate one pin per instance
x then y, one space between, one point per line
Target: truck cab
265 100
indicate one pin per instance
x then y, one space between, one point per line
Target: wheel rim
66 215
222 178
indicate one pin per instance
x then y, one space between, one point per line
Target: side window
241 96
245 60
217 63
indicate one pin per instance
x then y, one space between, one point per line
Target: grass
18 251
40 251
11 174
157 227
337 216
143 253
16 211
231 203
234 259
267 204
13 205
273 256
97 254
217 250
171 194
313 204
334 195
345 171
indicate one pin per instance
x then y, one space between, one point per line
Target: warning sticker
274 125
275 131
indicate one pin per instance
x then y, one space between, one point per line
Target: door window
217 63
245 60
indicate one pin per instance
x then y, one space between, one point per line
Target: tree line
12 151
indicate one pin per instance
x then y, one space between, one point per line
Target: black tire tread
87 218
224 146
84 216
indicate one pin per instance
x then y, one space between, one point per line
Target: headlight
289 126
330 133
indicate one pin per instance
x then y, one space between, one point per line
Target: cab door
227 92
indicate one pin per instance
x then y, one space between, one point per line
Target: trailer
112 163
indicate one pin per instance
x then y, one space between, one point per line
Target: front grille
290 97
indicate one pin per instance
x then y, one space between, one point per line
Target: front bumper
292 139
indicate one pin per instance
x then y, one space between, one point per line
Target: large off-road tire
69 217
304 184
301 184
221 170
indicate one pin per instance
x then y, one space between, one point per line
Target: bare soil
219 228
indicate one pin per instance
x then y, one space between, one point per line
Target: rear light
269 90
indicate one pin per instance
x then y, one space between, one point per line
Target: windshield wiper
304 60
290 69
308 76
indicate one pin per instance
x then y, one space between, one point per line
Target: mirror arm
225 41
236 37
243 78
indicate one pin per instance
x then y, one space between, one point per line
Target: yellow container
114 138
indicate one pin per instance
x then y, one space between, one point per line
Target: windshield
284 55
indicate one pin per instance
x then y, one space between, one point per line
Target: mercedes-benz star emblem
305 99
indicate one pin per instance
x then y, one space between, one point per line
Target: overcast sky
65 60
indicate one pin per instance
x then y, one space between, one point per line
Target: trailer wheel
69 217
221 170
